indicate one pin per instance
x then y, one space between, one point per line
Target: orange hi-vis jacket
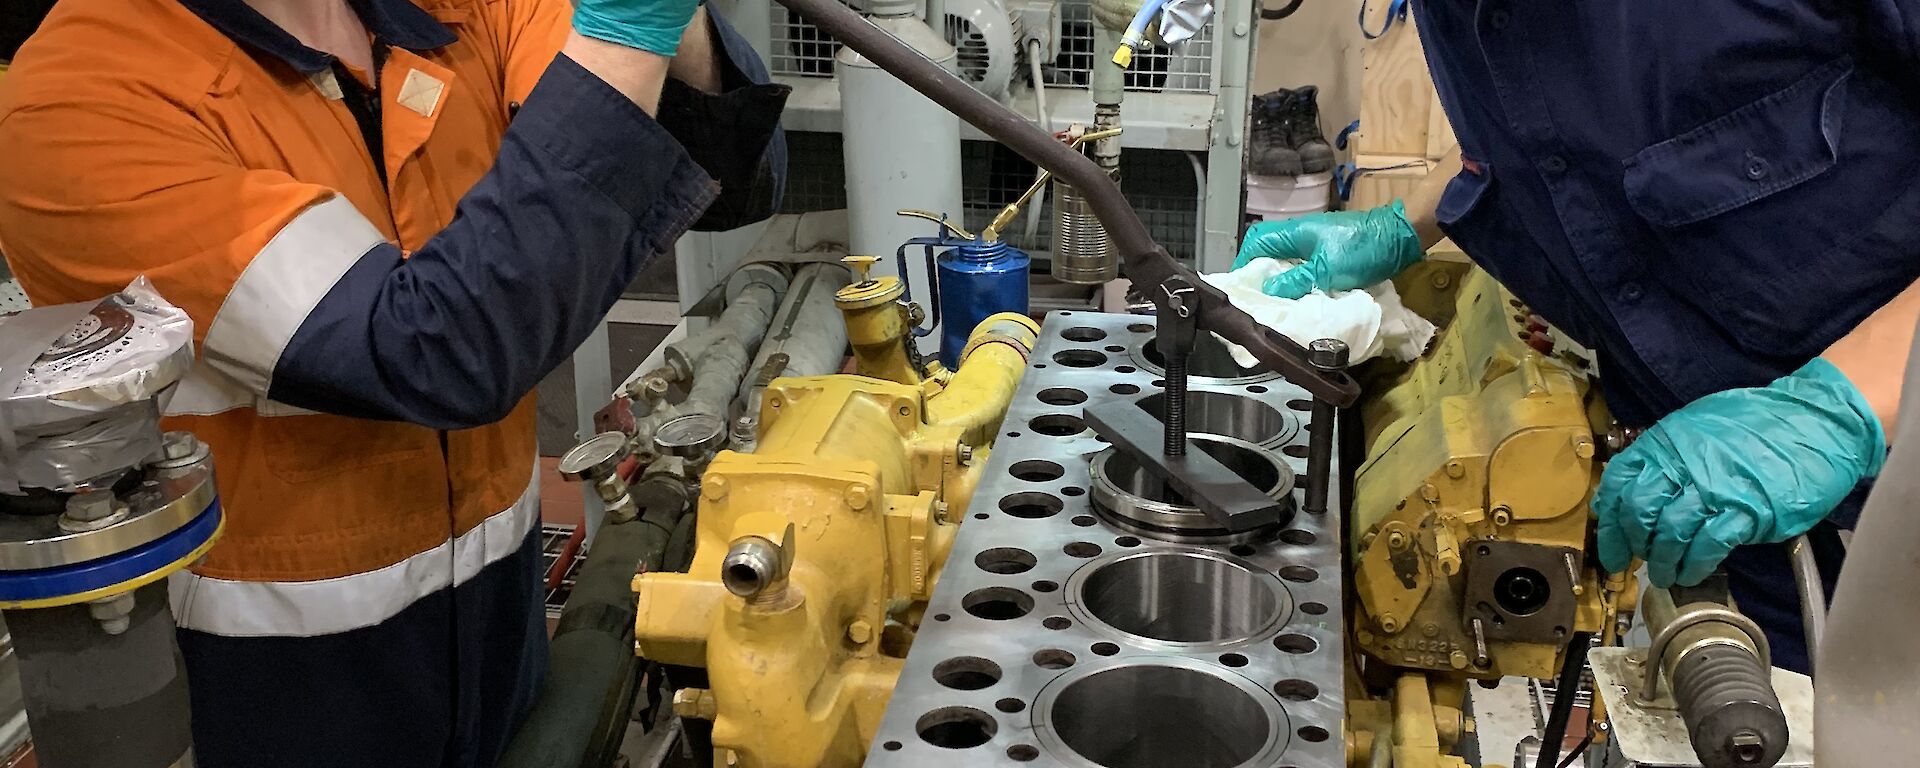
380 266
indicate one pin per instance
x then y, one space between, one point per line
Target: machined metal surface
1059 635
1218 491
1520 592
1130 497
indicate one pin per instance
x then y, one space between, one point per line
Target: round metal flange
1169 521
162 504
1201 714
121 572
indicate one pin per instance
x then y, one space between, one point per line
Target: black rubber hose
95 699
1565 690
1732 714
591 658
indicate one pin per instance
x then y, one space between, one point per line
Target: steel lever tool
1143 260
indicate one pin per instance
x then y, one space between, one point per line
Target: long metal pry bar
1182 297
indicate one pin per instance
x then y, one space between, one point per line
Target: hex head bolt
1327 355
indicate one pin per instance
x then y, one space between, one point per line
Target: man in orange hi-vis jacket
388 219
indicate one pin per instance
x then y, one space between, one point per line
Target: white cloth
1372 322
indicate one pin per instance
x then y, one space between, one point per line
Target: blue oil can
974 278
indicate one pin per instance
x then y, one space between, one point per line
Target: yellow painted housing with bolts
1470 518
816 554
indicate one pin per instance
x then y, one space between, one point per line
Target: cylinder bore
1143 504
1145 715
1223 413
1194 597
1208 360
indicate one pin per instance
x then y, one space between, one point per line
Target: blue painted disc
44 583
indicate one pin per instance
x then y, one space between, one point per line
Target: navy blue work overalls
1709 194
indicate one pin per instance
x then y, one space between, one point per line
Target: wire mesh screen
800 50
1160 184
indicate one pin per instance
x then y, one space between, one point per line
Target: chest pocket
1784 210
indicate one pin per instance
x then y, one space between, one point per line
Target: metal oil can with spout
976 277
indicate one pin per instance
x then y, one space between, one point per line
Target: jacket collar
398 23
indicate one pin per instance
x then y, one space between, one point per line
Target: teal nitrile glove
654 26
1745 466
1342 250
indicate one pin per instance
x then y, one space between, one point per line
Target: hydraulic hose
591 661
1565 689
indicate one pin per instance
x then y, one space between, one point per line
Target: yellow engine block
816 553
1470 517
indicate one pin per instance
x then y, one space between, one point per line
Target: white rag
1372 322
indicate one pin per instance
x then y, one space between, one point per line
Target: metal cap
1327 354
692 436
594 459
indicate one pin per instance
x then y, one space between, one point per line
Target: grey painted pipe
807 333
718 358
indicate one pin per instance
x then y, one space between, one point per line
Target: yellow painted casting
873 476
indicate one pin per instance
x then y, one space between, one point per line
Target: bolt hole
1045 586
1010 705
981 515
1125 369
1081 549
1052 658
1022 753
1299 574
956 727
891 746
1296 690
1233 660
1057 622
1124 389
1162 383
1083 334
1127 541
1295 643
1030 505
966 673
1114 348
1140 328
1313 609
1298 537
1036 470
1057 425
1013 434
1062 396
1105 649
1241 550
1039 365
1005 560
1314 733
1072 490
942 617
1257 389
1300 405
1084 521
1296 451
997 603
1080 358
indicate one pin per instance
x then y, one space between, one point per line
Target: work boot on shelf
1270 151
1303 131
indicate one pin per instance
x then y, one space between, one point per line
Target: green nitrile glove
654 26
1343 250
1745 466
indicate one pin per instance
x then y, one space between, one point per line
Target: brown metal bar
1142 259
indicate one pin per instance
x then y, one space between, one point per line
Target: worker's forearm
1874 355
698 62
1424 200
636 74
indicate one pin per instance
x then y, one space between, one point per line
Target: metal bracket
1203 480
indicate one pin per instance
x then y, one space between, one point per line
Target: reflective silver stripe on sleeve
278 289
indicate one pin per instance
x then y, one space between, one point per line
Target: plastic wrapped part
1180 20
96 454
127 348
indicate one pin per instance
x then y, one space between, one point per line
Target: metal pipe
1813 594
718 358
591 658
95 699
1146 263
1566 688
807 337
976 398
